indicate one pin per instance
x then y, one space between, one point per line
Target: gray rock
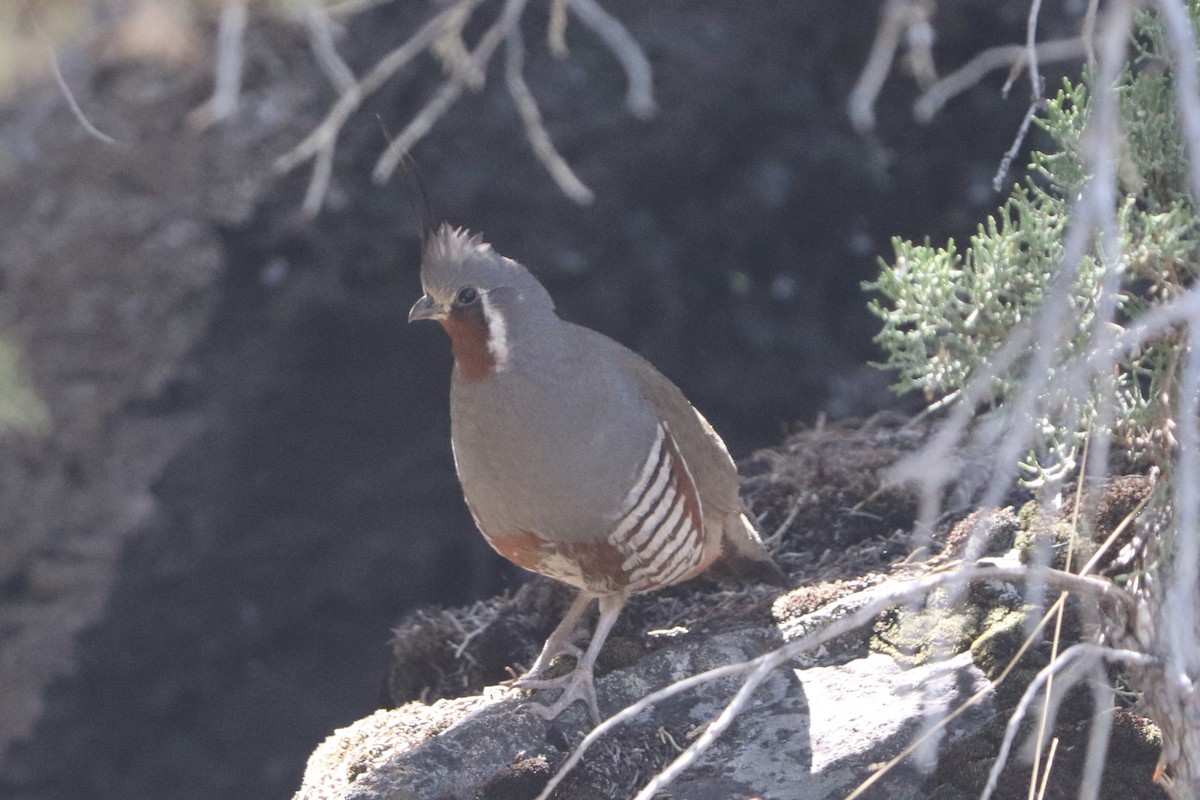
808 733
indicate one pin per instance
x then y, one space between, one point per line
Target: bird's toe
545 662
575 687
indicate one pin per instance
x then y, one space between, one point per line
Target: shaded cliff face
248 477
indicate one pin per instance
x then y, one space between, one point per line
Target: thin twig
1011 154
445 97
933 466
556 29
1045 721
861 105
327 132
1178 611
1041 793
349 7
1086 652
1156 322
971 73
1116 532
776 537
1033 636
1036 101
639 97
1036 87
1088 32
918 39
1050 329
712 731
318 182
535 131
67 94
1182 40
320 37
1101 728
227 68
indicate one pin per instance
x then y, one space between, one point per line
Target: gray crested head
453 259
495 312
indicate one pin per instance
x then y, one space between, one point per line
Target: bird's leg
579 684
560 641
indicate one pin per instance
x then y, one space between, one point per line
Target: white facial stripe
497 333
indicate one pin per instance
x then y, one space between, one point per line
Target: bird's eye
467 295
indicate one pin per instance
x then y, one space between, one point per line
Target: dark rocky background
248 479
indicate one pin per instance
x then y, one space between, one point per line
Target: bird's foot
576 685
543 664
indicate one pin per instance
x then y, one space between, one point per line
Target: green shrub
947 310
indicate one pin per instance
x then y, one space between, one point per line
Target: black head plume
418 199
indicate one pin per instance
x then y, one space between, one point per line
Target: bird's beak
426 308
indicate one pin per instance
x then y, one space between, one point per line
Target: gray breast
552 452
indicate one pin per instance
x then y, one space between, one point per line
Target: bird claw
531 681
542 665
569 649
577 685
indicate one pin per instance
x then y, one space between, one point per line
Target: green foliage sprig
947 310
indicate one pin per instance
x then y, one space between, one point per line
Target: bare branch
1009 438
320 36
1179 605
711 733
448 94
556 28
227 72
927 737
639 97
918 39
466 69
67 94
1036 101
318 184
326 133
1036 87
1088 32
1182 40
775 538
1011 153
1168 617
1101 728
535 131
415 130
1089 655
970 73
348 8
1151 325
861 105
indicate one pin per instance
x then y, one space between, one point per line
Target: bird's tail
744 558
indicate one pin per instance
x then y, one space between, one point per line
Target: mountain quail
578 459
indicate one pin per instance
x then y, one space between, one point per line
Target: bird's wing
709 462
660 532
